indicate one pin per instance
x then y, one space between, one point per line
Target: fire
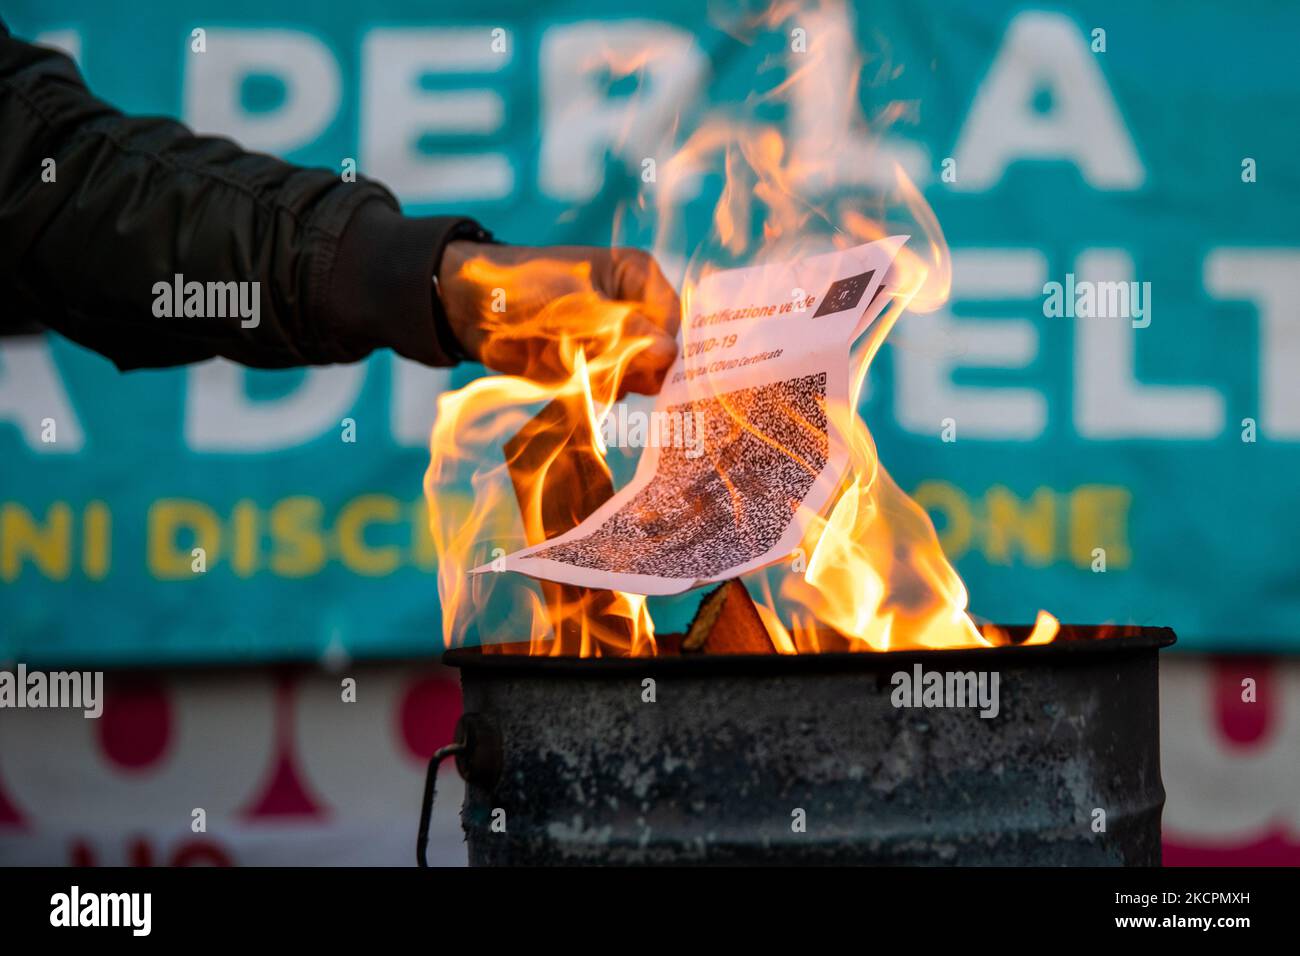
870 575
522 465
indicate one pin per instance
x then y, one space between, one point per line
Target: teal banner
1104 420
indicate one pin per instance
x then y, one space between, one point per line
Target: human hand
527 310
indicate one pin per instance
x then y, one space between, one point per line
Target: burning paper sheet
764 351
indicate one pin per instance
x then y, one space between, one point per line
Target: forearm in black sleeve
132 202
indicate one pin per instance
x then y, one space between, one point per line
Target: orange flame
870 575
524 464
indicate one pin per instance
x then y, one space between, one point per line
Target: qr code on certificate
699 516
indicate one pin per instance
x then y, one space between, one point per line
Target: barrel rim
1076 644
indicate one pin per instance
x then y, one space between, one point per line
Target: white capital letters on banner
219 415
1082 124
214 82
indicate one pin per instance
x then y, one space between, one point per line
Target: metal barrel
810 759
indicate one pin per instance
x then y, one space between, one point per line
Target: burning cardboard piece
556 448
727 623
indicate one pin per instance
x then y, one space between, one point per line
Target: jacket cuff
382 291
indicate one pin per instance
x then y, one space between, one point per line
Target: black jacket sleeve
131 202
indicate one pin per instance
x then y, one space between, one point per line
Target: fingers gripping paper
765 350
